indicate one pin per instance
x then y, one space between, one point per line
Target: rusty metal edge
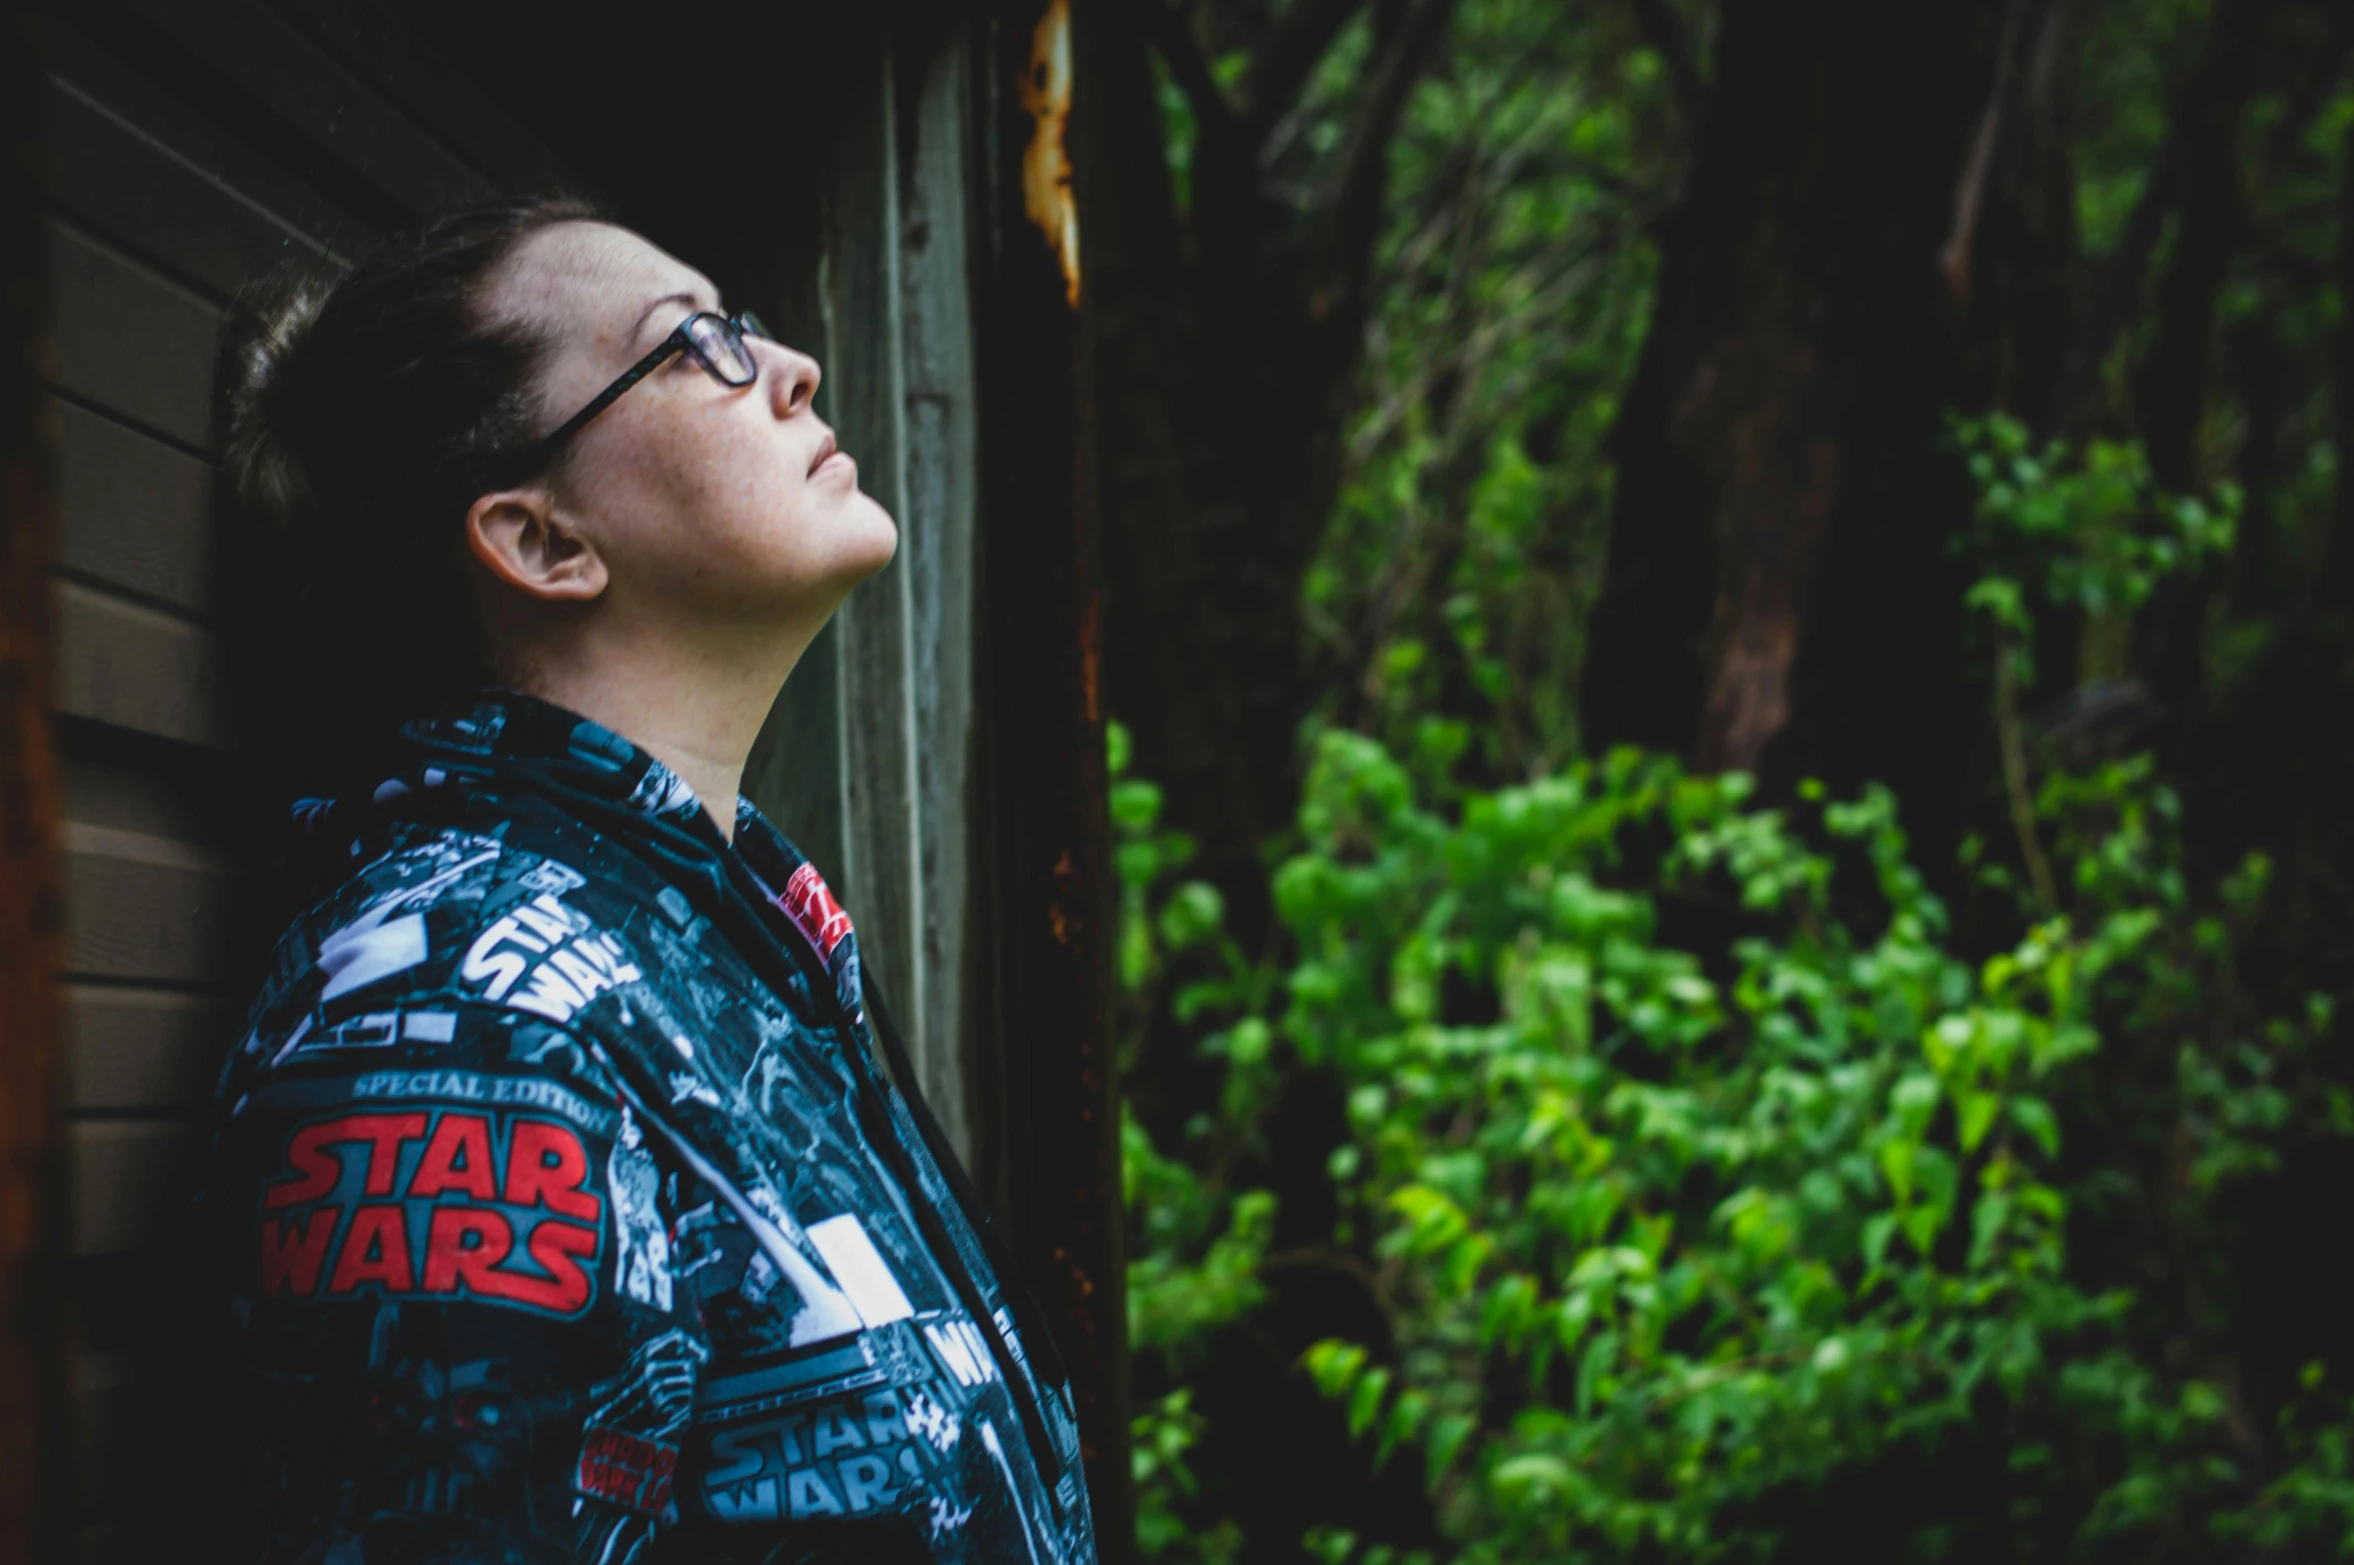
1053 1160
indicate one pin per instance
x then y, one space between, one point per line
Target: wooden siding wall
158 212
890 686
190 145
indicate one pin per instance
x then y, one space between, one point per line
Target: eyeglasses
716 341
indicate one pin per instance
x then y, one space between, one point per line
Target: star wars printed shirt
571 1217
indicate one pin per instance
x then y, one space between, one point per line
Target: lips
825 449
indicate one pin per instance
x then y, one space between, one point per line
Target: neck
697 709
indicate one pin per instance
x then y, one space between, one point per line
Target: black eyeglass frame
740 325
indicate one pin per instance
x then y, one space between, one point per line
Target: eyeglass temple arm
673 345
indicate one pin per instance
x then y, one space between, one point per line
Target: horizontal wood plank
99 1386
138 513
142 907
132 1049
138 798
156 201
305 87
132 341
85 64
370 38
124 1177
134 667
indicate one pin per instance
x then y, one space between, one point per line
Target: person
558 1204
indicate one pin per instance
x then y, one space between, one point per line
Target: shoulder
369 1028
422 1153
446 919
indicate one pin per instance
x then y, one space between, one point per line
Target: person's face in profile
687 503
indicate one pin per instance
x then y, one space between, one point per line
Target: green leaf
1975 1113
1877 1231
1406 1417
1912 1101
1532 1478
1897 1159
1987 1219
1193 913
1334 1364
1136 805
1365 1399
1447 1436
2034 1116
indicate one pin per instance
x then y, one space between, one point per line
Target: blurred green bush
1698 1160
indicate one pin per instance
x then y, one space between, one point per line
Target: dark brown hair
361 415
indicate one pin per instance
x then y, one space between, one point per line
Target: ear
519 539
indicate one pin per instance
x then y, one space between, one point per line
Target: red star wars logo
459 1205
810 904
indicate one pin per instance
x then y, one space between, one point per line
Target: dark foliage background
1733 628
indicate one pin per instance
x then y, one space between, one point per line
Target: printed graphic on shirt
378 1030
389 937
434 1203
547 959
879 1424
571 1219
439 1451
859 1450
629 1450
641 1260
874 1424
442 1443
810 904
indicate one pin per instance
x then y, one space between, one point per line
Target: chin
868 538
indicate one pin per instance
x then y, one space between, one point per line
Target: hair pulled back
362 414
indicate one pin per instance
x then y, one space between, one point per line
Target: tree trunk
1229 332
2010 263
1228 326
2319 702
1179 619
1779 595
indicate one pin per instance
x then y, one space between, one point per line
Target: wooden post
1056 1136
866 760
33 1515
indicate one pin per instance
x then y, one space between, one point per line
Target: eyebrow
646 314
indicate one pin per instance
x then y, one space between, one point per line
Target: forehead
589 279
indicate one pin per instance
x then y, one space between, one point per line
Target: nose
793 378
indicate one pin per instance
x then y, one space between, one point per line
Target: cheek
722 511
759 510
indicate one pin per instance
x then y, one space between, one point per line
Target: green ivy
1666 1225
